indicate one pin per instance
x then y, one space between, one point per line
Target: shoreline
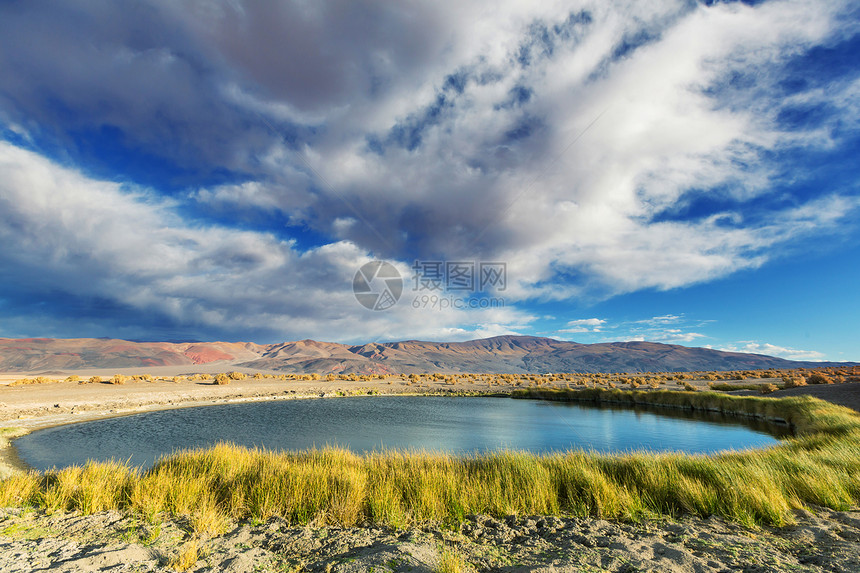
29 408
11 462
9 453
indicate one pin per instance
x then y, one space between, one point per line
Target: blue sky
675 171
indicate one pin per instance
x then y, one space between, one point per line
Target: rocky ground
821 541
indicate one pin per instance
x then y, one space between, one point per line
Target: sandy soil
820 541
41 405
33 541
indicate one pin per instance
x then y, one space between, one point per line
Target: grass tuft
450 561
185 556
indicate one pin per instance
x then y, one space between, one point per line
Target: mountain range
500 354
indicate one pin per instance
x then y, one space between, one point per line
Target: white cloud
592 322
583 325
64 233
665 319
589 322
667 328
677 336
755 347
586 210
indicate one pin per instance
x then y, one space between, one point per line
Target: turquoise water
455 425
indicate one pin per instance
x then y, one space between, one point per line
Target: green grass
820 466
12 432
26 531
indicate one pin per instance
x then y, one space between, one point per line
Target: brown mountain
500 354
31 354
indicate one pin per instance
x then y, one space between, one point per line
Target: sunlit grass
184 557
820 466
726 387
450 561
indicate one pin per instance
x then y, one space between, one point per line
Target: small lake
362 424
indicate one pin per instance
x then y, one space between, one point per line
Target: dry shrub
793 382
222 379
118 379
768 388
819 378
27 381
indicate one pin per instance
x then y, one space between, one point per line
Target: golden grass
185 556
450 561
820 466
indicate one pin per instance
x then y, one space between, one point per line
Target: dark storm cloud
317 55
91 78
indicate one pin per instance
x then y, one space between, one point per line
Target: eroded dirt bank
109 541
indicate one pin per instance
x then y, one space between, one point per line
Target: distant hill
500 354
30 354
